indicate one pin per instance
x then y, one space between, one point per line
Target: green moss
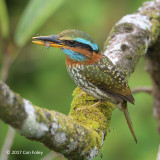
155 19
108 39
121 28
41 116
129 57
95 119
155 30
141 50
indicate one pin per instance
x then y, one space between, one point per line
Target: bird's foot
88 107
82 94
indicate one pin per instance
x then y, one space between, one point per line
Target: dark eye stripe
78 44
71 43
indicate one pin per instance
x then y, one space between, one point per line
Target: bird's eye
71 43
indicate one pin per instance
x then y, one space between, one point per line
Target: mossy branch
131 37
81 134
135 36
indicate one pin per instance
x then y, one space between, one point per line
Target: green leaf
4 20
34 16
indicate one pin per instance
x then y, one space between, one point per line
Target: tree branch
153 59
134 36
81 134
129 39
142 89
77 136
158 155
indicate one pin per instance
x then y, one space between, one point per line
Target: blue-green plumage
74 55
84 41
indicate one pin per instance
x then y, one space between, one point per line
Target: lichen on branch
79 135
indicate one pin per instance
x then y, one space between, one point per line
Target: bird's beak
49 41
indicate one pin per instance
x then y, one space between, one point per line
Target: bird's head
77 45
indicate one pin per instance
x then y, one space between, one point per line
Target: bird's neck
72 63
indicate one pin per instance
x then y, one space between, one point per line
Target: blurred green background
39 74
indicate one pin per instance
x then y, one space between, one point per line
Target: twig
10 133
5 67
50 156
158 155
8 143
4 76
142 89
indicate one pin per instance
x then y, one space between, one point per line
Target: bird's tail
129 122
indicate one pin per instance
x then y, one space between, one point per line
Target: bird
91 70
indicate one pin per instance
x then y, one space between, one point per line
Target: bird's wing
109 79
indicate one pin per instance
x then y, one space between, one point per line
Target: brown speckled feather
106 77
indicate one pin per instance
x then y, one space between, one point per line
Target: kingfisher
91 70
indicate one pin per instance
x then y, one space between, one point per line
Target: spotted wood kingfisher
92 71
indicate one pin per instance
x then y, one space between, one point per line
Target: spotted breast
101 80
